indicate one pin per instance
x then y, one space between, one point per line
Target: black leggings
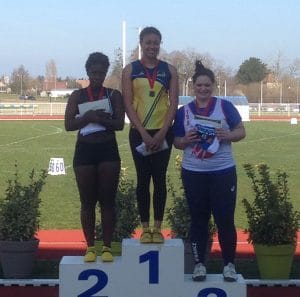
214 193
154 166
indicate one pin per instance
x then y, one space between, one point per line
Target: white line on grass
58 131
269 138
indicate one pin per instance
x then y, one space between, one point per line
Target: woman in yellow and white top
150 92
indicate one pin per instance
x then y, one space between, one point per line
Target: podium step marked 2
148 270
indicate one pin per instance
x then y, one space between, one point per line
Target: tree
51 73
19 80
114 79
252 70
184 61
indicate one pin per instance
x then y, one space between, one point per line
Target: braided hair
97 58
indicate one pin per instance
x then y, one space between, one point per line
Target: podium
148 270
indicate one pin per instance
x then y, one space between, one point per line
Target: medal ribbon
206 110
91 96
151 77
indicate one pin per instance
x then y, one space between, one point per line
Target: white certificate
103 104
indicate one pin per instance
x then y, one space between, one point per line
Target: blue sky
33 32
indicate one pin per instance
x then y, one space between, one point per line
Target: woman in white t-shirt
204 129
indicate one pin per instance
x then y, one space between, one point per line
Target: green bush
127 216
19 209
272 219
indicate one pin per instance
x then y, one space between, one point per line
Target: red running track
57 243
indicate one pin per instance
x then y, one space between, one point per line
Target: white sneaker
229 273
199 273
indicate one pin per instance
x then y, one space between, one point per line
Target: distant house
83 82
52 85
2 87
61 93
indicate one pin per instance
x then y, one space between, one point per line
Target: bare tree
20 80
51 74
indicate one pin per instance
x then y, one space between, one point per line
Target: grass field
33 143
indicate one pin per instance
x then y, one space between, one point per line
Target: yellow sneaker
146 236
106 255
90 254
157 237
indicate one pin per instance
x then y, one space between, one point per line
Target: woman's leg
159 167
86 182
196 192
143 173
107 180
223 201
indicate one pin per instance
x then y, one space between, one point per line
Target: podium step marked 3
148 270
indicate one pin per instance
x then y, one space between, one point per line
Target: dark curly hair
200 69
149 30
97 58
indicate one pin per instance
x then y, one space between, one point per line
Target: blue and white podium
148 270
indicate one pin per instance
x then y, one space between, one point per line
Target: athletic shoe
146 236
229 273
199 273
157 237
90 254
106 255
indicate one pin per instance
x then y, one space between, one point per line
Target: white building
61 92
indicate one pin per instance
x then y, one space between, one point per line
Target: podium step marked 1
148 270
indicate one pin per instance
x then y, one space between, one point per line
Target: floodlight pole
140 50
124 42
261 92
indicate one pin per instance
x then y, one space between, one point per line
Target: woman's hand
94 116
190 137
223 134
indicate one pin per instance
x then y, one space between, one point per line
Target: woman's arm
72 122
173 97
116 121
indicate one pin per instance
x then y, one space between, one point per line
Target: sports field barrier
58 109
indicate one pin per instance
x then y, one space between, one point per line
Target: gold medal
151 93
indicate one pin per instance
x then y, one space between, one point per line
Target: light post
140 50
219 86
297 92
261 93
187 86
280 95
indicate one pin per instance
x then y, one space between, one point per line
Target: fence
55 108
33 109
274 109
